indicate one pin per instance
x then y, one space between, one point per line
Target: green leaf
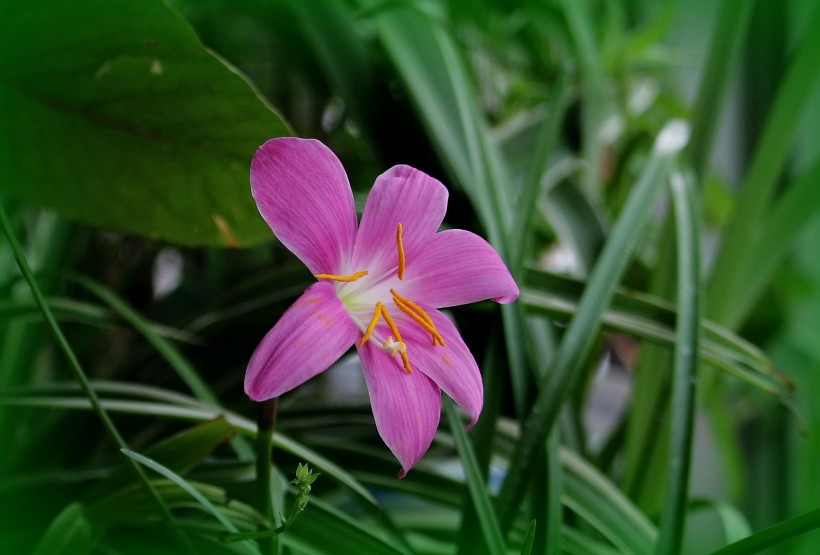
584 327
725 44
687 338
652 318
774 535
728 302
526 548
184 485
178 453
329 530
119 117
171 354
735 525
70 533
476 484
196 414
598 501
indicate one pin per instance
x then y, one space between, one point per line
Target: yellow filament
372 325
400 246
418 314
332 277
392 325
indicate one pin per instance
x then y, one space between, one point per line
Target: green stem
266 422
74 363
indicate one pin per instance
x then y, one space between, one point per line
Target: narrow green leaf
774 535
182 483
526 547
329 530
792 212
475 483
149 132
577 543
91 399
598 501
735 525
653 318
532 187
685 366
727 303
71 310
178 453
585 325
197 414
171 354
724 46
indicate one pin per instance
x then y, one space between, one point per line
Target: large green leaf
117 116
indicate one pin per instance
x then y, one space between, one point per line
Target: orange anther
372 325
400 246
332 277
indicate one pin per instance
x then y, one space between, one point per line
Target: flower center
393 343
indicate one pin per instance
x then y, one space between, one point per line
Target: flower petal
311 335
452 366
301 190
458 267
406 406
401 195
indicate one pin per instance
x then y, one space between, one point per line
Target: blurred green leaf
192 491
773 535
329 530
178 453
578 340
476 484
117 116
598 501
652 318
70 533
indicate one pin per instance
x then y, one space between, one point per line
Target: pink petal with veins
406 406
452 367
301 190
458 267
311 335
400 195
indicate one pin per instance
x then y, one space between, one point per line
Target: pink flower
379 288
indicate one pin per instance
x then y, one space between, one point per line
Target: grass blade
198 414
685 367
186 372
727 38
598 501
773 535
475 483
182 483
80 374
727 303
584 326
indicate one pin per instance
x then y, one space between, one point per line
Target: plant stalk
266 422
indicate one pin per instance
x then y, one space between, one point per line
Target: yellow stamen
392 325
419 315
401 252
372 325
332 277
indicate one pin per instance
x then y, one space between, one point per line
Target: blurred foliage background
648 170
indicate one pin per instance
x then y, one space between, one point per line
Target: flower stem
266 421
